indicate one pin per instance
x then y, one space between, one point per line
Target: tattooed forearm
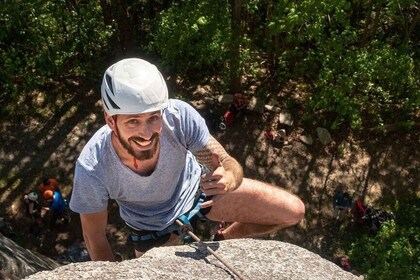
204 156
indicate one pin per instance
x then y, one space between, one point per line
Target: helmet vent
109 82
113 104
106 105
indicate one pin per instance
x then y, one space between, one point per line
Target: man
150 157
341 201
48 184
57 207
33 210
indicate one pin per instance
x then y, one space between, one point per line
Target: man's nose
146 132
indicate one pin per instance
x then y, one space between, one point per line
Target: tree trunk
412 26
235 47
270 38
106 11
118 10
125 28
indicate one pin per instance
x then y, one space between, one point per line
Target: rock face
323 135
253 258
17 262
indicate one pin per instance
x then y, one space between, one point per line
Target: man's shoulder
177 110
177 102
181 109
179 105
99 138
94 148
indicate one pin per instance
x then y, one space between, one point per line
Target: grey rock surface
286 118
254 258
256 105
17 262
323 135
307 139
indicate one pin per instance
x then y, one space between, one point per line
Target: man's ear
109 120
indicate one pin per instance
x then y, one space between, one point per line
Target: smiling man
156 159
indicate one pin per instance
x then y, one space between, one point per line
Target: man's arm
226 173
94 233
32 209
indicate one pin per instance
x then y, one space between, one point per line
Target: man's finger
210 202
206 204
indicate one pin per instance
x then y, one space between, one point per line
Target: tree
44 43
395 251
235 46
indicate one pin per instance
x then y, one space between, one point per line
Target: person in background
156 158
33 211
341 202
56 205
345 263
49 184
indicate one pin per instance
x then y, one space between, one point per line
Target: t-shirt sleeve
193 125
89 194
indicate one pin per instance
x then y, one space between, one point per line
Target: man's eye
154 118
133 122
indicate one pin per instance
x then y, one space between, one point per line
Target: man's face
139 134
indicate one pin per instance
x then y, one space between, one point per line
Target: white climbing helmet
133 86
33 196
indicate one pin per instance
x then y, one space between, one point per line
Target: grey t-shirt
146 202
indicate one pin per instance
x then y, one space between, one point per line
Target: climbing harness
138 235
182 226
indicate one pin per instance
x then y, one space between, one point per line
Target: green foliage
42 41
192 36
376 83
360 56
394 253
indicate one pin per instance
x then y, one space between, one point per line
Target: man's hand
219 181
225 172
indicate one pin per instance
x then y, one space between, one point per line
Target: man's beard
141 155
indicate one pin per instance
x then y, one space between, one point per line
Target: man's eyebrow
145 115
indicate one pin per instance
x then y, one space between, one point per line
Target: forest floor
377 168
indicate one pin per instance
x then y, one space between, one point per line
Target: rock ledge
254 258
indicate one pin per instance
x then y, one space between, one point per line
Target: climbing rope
211 251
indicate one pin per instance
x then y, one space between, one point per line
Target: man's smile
142 143
141 148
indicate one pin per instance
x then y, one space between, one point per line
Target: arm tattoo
204 156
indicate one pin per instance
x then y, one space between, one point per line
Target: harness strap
137 237
187 217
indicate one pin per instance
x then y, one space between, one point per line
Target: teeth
143 143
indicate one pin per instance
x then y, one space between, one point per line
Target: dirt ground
379 169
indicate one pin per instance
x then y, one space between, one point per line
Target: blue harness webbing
185 219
